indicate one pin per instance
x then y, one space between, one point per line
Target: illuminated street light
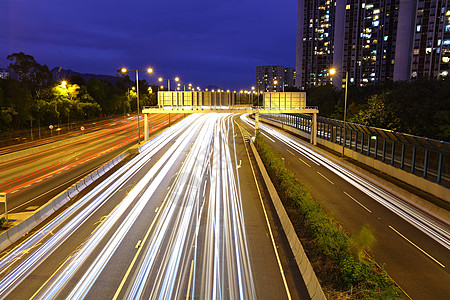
149 70
333 71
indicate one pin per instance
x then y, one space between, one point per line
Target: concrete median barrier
309 277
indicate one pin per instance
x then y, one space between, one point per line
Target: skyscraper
375 41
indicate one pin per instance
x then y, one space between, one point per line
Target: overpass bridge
225 102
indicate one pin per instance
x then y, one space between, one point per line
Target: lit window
385 38
445 73
376 23
416 51
348 6
376 11
445 59
428 50
418 28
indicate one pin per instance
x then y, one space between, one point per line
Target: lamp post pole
137 100
149 70
345 113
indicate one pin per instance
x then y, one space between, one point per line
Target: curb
309 277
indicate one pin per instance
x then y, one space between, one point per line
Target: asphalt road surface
183 219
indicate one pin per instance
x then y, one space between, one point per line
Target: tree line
420 107
35 98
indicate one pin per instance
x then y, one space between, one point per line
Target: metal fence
418 155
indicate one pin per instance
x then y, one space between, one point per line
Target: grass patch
340 261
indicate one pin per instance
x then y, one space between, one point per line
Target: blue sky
206 42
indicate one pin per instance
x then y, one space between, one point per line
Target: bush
359 276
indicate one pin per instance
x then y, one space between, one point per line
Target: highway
32 179
413 247
182 219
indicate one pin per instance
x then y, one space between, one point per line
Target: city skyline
210 43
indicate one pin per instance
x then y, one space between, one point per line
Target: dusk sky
205 42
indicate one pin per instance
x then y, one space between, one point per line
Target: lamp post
176 79
149 70
64 85
332 72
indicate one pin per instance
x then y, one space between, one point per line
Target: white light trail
434 229
56 236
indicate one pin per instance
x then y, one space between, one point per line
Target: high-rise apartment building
375 41
273 78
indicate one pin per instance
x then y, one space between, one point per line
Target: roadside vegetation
33 98
341 261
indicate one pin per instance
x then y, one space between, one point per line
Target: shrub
359 274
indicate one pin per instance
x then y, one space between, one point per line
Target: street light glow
63 83
332 71
150 70
124 70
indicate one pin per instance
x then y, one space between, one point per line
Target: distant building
266 76
4 73
375 41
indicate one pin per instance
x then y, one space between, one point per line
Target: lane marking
48 280
270 229
156 210
304 162
138 244
125 277
290 152
416 246
325 178
357 202
190 279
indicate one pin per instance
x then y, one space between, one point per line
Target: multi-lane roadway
32 177
183 219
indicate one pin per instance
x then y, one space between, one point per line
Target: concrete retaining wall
312 283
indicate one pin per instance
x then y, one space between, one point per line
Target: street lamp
253 89
333 71
149 70
176 79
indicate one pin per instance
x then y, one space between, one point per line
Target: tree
66 96
378 113
30 72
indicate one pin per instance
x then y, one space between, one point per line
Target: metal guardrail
421 156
